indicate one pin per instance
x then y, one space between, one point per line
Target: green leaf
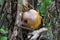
3 38
47 25
0 17
46 3
1 1
43 7
3 31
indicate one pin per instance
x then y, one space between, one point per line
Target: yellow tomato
33 18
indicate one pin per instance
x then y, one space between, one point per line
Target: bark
13 12
57 2
51 9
